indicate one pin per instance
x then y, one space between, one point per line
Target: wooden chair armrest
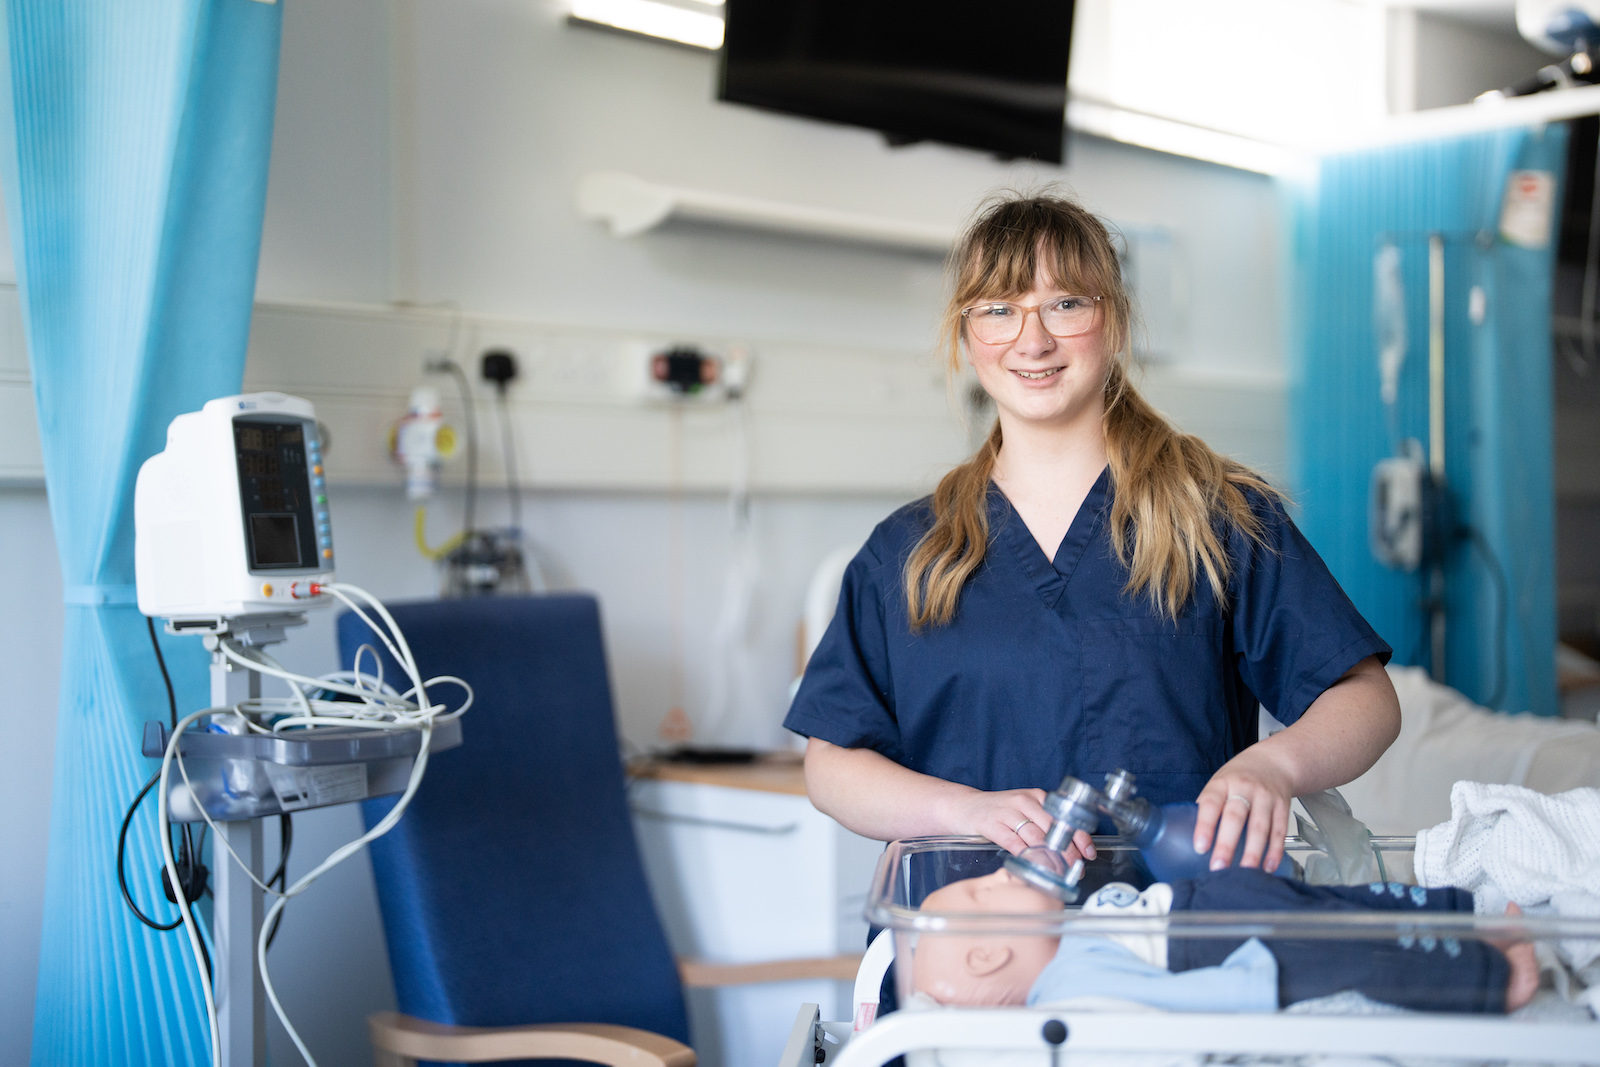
699 974
401 1039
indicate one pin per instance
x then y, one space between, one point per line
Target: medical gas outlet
232 516
421 441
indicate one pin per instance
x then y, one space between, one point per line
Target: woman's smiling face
1039 378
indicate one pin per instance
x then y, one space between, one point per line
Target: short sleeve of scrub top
1048 668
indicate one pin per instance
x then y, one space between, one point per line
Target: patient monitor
232 544
232 517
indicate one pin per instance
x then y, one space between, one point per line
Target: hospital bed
1342 1031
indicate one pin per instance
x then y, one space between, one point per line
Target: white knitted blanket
1505 843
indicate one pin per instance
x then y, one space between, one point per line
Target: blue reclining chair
514 902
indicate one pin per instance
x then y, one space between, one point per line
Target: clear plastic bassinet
1558 1026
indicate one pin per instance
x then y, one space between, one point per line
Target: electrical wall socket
690 374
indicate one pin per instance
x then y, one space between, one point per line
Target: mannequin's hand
1249 799
1014 819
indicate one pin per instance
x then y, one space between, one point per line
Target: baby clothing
1231 973
1100 967
1123 900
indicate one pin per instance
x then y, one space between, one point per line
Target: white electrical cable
378 706
384 707
337 857
730 633
249 658
171 864
294 687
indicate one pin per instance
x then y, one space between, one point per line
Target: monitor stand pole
236 919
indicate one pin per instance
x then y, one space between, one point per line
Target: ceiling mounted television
988 74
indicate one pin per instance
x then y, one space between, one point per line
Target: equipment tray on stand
250 776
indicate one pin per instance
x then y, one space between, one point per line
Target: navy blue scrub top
1048 668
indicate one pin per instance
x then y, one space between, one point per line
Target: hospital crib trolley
1085 1030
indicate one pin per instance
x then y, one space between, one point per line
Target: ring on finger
1017 829
1240 796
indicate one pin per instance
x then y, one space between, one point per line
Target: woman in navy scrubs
1092 590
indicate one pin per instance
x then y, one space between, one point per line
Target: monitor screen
275 495
274 541
989 74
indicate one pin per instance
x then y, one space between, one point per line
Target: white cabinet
745 870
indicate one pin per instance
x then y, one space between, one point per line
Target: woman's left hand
1247 802
1337 738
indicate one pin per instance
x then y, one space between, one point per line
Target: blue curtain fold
134 140
1499 423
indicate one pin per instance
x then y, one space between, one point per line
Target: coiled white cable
376 706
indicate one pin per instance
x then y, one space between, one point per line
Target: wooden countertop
776 772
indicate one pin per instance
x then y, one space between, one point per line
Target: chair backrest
512 890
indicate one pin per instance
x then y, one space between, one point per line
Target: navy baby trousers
1422 973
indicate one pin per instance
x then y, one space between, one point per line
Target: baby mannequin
1216 974
991 969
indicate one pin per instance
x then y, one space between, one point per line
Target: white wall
512 107
1283 73
1455 60
498 108
328 195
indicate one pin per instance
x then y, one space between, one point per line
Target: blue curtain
1497 393
134 139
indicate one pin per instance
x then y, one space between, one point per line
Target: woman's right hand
870 794
1014 819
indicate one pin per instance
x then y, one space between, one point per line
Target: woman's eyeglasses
999 322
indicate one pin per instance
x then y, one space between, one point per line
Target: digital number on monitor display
275 494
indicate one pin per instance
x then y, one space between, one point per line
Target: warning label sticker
316 787
1525 211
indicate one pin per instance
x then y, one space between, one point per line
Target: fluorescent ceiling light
1181 138
653 19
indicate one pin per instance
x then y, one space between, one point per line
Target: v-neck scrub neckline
1048 668
1051 575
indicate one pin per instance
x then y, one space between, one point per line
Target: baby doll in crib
1218 974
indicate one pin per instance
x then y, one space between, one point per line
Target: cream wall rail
630 206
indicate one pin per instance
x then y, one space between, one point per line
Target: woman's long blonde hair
1174 498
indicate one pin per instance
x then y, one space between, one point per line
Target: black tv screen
989 74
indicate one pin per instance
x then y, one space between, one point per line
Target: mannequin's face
995 969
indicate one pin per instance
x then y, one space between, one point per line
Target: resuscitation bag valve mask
1077 805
